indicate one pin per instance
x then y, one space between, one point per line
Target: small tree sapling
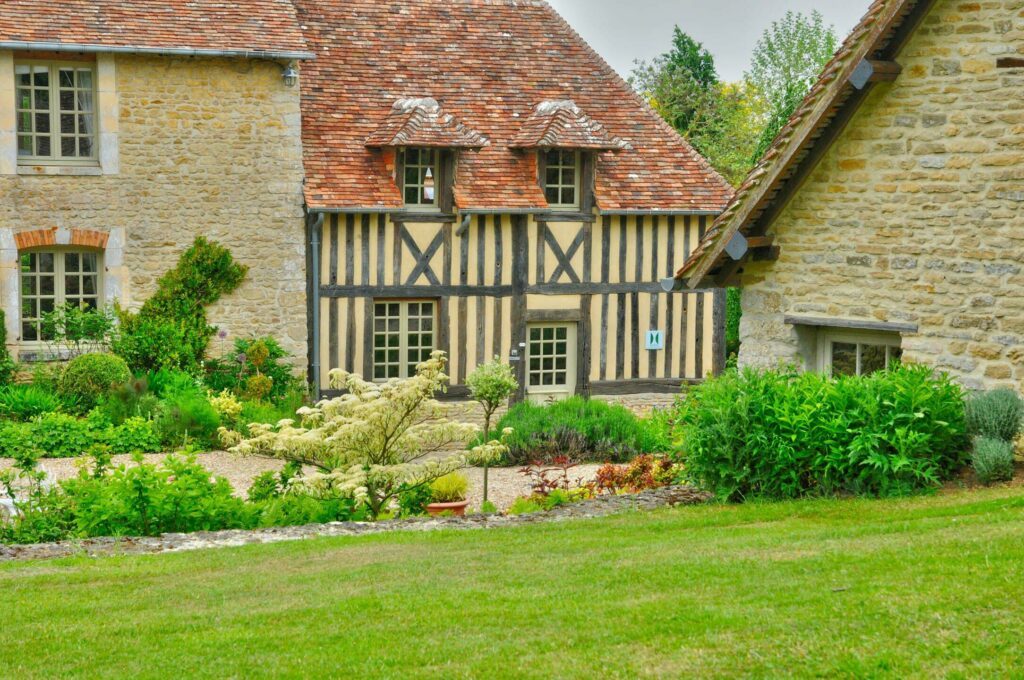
491 385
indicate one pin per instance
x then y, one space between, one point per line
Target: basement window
56 112
842 352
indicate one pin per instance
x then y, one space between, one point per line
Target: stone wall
915 213
206 147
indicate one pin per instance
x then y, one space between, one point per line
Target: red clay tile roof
422 123
563 125
832 90
489 63
257 27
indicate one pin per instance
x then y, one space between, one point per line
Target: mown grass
925 587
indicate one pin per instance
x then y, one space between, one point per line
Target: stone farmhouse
887 220
400 177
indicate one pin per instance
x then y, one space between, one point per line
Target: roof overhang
273 55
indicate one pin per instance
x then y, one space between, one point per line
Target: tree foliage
376 441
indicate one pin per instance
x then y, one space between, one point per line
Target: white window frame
55 158
432 167
59 287
560 186
829 336
406 369
555 390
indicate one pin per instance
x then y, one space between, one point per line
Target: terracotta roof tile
814 114
488 63
563 125
421 122
237 26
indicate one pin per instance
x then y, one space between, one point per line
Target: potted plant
448 494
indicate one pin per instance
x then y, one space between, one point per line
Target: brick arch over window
42 238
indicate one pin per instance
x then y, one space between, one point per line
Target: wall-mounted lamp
290 75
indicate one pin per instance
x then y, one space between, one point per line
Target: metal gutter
655 213
316 228
162 51
354 211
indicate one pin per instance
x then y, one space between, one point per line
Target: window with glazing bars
403 337
562 178
51 279
56 111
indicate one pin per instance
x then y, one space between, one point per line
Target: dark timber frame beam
874 71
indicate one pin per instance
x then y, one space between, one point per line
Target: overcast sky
625 30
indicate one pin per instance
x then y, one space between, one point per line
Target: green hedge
582 429
782 435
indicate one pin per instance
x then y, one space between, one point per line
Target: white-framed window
419 178
404 336
562 178
53 278
851 352
55 107
551 360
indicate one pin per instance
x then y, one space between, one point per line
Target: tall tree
683 86
787 60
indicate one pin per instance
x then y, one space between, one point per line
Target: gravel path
505 484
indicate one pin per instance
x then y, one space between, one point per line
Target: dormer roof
560 124
421 122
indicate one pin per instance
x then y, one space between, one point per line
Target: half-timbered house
479 181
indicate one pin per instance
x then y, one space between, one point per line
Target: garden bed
505 485
596 507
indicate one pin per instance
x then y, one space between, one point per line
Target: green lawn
923 587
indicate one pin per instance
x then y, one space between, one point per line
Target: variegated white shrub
376 440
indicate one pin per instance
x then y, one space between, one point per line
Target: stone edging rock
597 507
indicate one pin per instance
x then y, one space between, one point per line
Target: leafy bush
147 500
995 415
25 402
58 435
17 440
74 330
47 375
992 460
414 500
295 509
580 429
186 417
642 473
451 488
135 435
171 330
131 400
253 358
269 485
781 435
7 365
91 376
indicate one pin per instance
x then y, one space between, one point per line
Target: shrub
780 435
525 506
25 402
995 415
186 417
7 366
91 376
251 357
171 329
74 330
295 509
413 501
47 375
362 450
17 440
992 460
134 435
451 488
269 485
58 435
642 473
580 429
147 500
131 400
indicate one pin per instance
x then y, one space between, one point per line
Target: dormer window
419 178
562 178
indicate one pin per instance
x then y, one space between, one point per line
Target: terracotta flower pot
458 509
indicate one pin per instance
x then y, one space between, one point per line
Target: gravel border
597 507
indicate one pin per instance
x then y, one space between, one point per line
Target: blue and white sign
655 340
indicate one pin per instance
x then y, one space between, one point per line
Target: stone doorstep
598 507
